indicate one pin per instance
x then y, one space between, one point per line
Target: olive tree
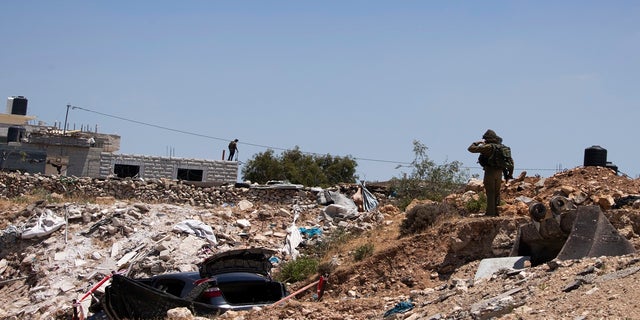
301 168
428 180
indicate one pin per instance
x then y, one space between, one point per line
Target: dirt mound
412 262
435 270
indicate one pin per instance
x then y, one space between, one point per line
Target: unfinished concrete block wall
151 167
83 161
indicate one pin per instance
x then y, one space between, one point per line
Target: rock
605 202
179 314
243 223
475 185
245 205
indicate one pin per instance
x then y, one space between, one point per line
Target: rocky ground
115 225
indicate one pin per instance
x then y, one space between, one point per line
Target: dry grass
6 204
104 200
382 237
8 211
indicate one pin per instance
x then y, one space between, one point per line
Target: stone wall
16 185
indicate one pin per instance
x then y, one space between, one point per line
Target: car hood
254 260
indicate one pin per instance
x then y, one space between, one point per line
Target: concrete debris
495 306
130 223
489 266
138 235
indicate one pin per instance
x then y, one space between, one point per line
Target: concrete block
488 267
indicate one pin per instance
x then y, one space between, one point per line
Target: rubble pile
150 227
154 229
435 272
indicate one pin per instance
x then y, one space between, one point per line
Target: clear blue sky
360 78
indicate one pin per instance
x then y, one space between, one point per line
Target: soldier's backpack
500 158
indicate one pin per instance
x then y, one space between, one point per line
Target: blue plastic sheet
370 201
400 307
311 232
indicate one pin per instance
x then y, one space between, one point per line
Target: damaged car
232 280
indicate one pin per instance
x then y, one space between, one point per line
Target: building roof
14 119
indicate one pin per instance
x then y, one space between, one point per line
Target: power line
148 124
521 169
217 138
401 163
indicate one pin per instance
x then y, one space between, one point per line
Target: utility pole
64 130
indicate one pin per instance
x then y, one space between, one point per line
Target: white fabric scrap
47 223
294 237
197 228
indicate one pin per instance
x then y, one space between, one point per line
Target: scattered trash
400 307
10 235
294 237
310 233
47 223
369 200
274 260
197 228
324 197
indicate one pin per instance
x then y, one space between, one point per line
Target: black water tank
612 166
14 134
17 105
595 156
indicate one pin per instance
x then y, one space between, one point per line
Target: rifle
507 175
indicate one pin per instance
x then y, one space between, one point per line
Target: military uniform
492 176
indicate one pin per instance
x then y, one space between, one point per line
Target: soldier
492 173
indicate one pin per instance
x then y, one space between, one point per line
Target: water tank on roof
595 156
17 105
612 166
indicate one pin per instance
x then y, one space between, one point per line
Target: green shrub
477 205
300 167
423 216
427 180
297 270
363 251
